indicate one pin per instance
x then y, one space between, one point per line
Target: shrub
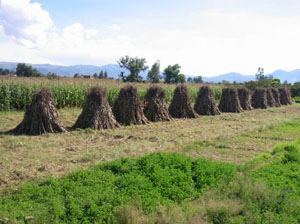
91 196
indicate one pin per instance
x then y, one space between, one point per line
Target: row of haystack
270 97
41 116
238 100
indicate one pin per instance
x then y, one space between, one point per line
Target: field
232 168
16 93
230 138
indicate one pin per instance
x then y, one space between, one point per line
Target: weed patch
91 196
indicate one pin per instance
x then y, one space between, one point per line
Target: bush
91 196
283 172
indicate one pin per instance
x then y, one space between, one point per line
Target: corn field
18 95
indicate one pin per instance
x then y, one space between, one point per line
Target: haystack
156 109
244 97
41 116
285 96
230 101
96 113
270 98
276 96
206 102
127 108
259 98
181 104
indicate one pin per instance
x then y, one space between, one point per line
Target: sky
205 37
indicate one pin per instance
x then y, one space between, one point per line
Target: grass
265 190
234 138
166 188
90 196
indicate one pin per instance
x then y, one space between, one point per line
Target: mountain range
113 71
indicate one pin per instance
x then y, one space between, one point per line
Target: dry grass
228 137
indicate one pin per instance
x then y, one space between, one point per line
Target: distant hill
230 77
114 70
291 77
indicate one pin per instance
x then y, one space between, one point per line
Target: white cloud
77 35
116 27
205 43
26 22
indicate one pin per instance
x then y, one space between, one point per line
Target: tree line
136 65
6 71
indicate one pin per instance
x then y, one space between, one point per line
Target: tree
275 83
101 75
135 66
198 79
105 76
95 75
260 75
24 70
172 74
295 89
51 75
4 71
76 75
181 78
153 74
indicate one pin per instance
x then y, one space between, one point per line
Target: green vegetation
17 96
153 74
172 74
166 188
5 71
24 70
295 90
283 172
91 196
134 66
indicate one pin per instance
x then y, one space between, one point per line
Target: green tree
4 71
51 75
172 74
275 83
95 75
198 79
105 76
153 74
76 75
295 89
101 75
24 70
135 66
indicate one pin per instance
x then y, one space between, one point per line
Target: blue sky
206 37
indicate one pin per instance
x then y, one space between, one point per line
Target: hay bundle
230 101
206 102
127 108
156 109
181 104
244 97
96 113
41 116
276 96
259 98
285 96
270 98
